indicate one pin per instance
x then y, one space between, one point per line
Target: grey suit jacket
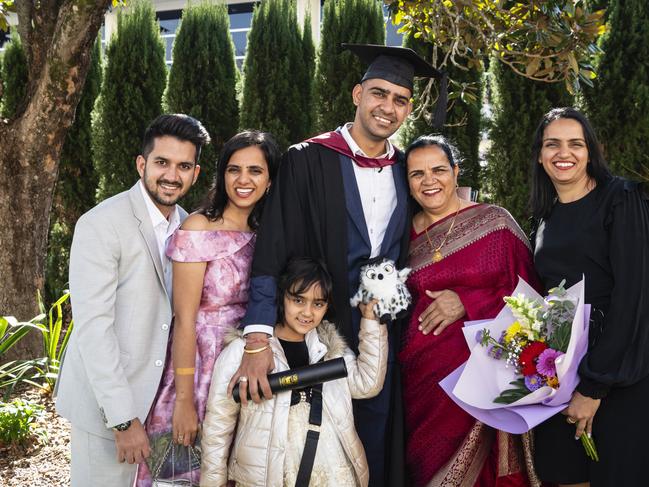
122 316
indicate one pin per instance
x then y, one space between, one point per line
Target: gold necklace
437 254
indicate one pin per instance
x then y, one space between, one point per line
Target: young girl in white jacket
269 438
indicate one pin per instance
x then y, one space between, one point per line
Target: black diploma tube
302 377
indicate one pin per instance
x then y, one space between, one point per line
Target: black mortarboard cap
399 65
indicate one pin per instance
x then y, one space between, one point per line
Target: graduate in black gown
342 197
593 224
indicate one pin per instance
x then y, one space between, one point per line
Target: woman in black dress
594 224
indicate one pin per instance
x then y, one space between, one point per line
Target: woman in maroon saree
465 258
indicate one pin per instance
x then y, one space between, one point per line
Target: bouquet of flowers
523 364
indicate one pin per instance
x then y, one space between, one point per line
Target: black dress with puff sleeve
604 236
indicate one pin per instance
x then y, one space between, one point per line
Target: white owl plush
382 281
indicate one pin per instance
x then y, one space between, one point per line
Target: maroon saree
483 257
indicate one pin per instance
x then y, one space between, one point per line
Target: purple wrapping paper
475 384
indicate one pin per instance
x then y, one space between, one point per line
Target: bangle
256 350
185 371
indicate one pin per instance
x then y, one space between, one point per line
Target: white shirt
163 229
377 191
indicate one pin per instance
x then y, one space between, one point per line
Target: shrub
202 83
275 71
337 72
131 96
42 371
518 105
18 422
14 76
618 105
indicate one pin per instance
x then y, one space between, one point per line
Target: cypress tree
74 193
463 120
618 105
274 73
353 21
202 83
14 76
308 55
518 105
131 94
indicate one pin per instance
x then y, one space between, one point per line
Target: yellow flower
553 382
512 331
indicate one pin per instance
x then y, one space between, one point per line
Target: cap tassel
439 117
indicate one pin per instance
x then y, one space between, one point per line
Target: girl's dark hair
452 153
543 193
298 276
217 198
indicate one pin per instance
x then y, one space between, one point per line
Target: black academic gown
306 215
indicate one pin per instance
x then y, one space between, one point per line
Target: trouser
94 462
372 418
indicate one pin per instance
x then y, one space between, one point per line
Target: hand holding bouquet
523 364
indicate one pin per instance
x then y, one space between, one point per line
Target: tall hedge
308 55
74 193
14 76
618 105
134 80
463 120
275 73
353 21
202 83
518 105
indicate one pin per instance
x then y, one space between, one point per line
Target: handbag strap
312 437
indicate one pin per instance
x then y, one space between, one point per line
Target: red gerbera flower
527 358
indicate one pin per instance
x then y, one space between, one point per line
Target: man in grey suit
120 282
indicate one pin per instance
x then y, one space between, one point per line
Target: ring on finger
243 378
571 420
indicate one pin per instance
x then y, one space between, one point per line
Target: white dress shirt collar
344 131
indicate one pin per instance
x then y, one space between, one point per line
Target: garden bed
45 464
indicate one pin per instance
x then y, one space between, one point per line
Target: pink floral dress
223 303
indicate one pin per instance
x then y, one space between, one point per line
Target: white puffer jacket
257 457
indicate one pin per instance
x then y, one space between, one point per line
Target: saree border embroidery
472 224
465 465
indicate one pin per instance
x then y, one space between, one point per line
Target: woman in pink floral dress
211 254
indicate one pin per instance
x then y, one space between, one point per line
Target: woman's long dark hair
543 192
217 198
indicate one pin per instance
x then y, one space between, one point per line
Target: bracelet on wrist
256 350
185 371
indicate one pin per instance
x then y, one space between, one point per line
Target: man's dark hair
178 125
298 276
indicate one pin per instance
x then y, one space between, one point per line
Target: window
240 21
169 22
392 37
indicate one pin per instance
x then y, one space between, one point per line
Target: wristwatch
122 426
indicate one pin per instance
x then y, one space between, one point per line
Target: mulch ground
45 464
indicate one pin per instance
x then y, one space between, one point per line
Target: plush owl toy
382 281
